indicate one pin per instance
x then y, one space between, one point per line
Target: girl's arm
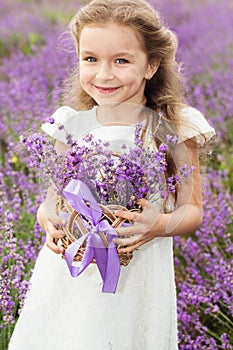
151 223
48 218
188 215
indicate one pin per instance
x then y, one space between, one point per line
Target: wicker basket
75 227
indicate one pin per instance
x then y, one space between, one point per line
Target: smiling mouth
106 90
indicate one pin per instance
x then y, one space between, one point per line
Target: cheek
85 74
132 76
127 77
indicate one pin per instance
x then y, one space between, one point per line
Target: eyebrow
117 54
123 53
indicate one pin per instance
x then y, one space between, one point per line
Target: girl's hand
53 234
185 219
51 227
47 216
146 227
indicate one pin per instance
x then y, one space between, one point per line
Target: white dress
65 313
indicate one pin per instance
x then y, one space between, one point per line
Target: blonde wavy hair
165 90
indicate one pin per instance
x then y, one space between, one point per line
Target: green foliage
20 42
57 17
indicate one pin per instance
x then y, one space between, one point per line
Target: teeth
106 89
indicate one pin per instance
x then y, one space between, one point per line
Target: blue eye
122 61
91 59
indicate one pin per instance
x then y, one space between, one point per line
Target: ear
152 69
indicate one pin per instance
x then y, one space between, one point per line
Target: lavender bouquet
91 181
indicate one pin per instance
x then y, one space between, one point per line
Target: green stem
226 318
214 335
220 313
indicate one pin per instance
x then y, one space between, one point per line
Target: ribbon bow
78 194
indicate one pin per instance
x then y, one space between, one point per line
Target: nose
104 72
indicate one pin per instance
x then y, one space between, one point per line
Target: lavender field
36 54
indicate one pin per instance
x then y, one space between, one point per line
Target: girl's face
113 66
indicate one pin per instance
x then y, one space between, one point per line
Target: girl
125 55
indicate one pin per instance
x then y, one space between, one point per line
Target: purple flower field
36 54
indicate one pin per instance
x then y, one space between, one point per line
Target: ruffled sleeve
195 125
67 121
57 127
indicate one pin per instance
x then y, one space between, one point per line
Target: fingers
130 249
134 215
143 229
53 246
52 237
125 214
128 240
128 231
131 215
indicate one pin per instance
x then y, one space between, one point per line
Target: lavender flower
138 172
30 88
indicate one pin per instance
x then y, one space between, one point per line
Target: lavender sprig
138 172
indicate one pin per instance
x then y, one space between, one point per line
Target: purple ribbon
78 194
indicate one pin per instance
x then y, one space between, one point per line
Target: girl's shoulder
194 124
66 120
